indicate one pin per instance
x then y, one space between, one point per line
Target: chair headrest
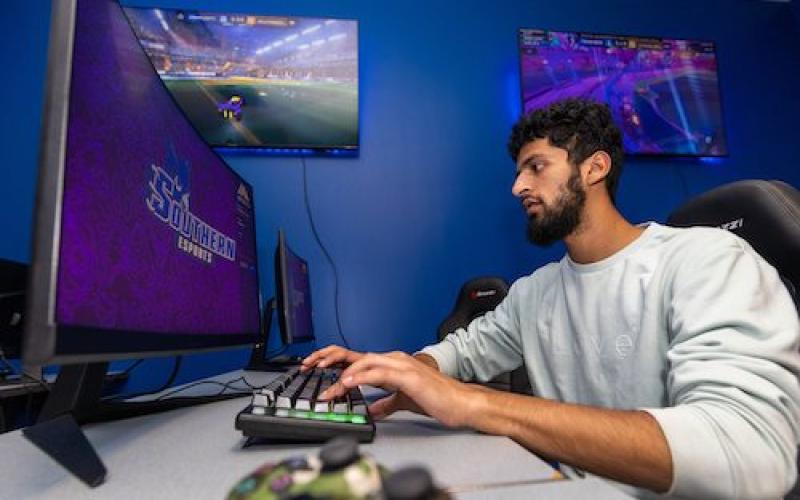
476 297
482 294
765 213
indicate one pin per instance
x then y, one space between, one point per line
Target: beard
559 221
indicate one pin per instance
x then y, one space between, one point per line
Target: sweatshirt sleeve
488 346
732 384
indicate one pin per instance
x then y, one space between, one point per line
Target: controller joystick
411 483
338 453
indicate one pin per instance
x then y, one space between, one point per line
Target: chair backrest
476 297
764 213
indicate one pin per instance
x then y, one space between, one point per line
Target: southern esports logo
169 201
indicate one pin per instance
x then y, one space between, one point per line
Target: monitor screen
256 81
293 293
663 93
145 239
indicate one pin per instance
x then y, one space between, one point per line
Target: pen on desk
556 465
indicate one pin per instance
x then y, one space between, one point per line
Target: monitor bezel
639 155
45 341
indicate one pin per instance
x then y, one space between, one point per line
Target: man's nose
521 185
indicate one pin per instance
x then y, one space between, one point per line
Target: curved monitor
663 93
145 239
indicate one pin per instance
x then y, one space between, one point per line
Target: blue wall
427 204
795 7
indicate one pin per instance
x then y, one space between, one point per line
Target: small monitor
663 92
292 301
281 83
293 295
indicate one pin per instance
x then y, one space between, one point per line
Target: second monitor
292 302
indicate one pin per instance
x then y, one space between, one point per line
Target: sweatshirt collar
650 228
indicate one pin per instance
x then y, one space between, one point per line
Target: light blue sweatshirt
691 325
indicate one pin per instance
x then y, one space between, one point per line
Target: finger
362 362
386 378
334 391
384 407
320 353
371 361
319 356
335 358
312 358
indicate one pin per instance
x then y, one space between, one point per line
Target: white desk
197 452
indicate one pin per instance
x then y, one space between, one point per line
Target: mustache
531 200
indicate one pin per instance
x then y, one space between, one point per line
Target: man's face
551 192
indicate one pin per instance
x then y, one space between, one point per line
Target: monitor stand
75 399
258 361
76 391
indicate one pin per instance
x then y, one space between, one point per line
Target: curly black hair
580 126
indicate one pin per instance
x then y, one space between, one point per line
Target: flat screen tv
285 84
664 93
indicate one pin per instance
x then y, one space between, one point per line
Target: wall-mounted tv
286 84
663 93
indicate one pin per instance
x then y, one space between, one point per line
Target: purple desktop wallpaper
157 233
663 93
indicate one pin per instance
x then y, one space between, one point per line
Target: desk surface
196 451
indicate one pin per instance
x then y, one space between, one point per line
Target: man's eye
532 167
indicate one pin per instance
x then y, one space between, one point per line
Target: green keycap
358 419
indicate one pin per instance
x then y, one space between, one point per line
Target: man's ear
599 165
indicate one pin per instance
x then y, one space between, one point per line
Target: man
659 357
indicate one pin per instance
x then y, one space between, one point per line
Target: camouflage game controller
338 472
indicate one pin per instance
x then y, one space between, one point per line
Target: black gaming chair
476 297
767 215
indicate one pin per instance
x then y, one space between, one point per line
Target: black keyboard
287 409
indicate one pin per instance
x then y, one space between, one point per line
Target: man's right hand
330 356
